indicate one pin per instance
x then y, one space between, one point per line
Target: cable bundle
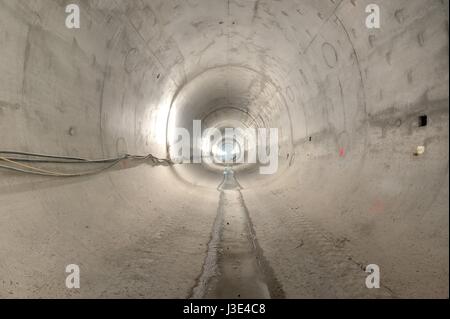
15 162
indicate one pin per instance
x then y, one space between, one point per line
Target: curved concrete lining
349 191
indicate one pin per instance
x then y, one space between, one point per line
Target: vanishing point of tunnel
89 174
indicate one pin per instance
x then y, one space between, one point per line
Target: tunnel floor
234 266
240 275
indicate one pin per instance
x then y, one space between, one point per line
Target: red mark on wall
341 152
377 207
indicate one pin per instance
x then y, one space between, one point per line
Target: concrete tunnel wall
349 191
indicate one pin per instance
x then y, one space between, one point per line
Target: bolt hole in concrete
423 121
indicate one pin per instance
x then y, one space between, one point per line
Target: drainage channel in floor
235 266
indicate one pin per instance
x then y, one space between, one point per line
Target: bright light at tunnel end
230 146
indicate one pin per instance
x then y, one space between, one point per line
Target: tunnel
89 175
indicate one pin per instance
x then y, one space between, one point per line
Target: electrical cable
24 168
67 158
58 174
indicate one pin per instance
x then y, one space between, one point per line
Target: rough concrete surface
360 181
